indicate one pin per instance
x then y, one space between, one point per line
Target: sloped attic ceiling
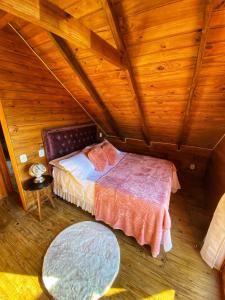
177 54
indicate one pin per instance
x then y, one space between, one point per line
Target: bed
132 195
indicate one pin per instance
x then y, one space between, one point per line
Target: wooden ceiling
148 70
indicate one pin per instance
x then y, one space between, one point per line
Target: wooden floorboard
24 241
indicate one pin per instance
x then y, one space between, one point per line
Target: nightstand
30 185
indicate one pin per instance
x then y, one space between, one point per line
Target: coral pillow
110 152
88 149
98 158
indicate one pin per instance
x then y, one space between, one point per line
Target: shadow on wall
8 161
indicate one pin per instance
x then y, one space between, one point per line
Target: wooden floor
24 241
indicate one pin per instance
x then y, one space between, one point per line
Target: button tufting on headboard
64 140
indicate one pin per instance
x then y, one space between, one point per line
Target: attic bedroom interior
112 149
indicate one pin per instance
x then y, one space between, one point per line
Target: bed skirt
73 199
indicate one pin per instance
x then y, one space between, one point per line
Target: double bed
133 194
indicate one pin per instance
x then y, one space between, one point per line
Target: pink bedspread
134 196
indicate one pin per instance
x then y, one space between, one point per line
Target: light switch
100 134
23 158
41 152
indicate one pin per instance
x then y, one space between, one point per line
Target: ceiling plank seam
53 19
71 59
118 37
195 78
53 74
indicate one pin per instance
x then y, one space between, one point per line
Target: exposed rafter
78 70
5 18
118 37
60 82
207 18
54 19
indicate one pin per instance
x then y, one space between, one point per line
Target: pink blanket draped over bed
134 196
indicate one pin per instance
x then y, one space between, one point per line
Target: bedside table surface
30 185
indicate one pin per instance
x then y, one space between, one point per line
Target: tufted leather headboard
64 140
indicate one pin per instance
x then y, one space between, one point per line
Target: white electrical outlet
41 152
100 134
23 158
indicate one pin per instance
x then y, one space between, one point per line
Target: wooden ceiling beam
201 50
5 18
78 70
118 37
60 82
52 18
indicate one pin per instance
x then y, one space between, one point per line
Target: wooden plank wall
215 176
182 158
43 45
3 186
32 99
207 117
162 38
5 180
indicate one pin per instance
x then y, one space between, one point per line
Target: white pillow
79 166
55 162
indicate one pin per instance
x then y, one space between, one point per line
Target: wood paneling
215 176
163 40
5 18
6 184
32 99
3 190
70 57
62 70
163 49
181 158
195 78
207 121
61 23
12 155
3 175
118 37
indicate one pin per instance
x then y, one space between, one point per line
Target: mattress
133 196
66 187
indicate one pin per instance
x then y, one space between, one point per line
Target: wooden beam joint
203 41
78 70
53 19
5 18
118 37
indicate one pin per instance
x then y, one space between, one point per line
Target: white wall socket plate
41 153
23 158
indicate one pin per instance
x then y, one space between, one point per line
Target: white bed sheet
66 187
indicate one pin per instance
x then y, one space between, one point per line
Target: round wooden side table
30 185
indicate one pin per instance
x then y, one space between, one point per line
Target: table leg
38 203
51 199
